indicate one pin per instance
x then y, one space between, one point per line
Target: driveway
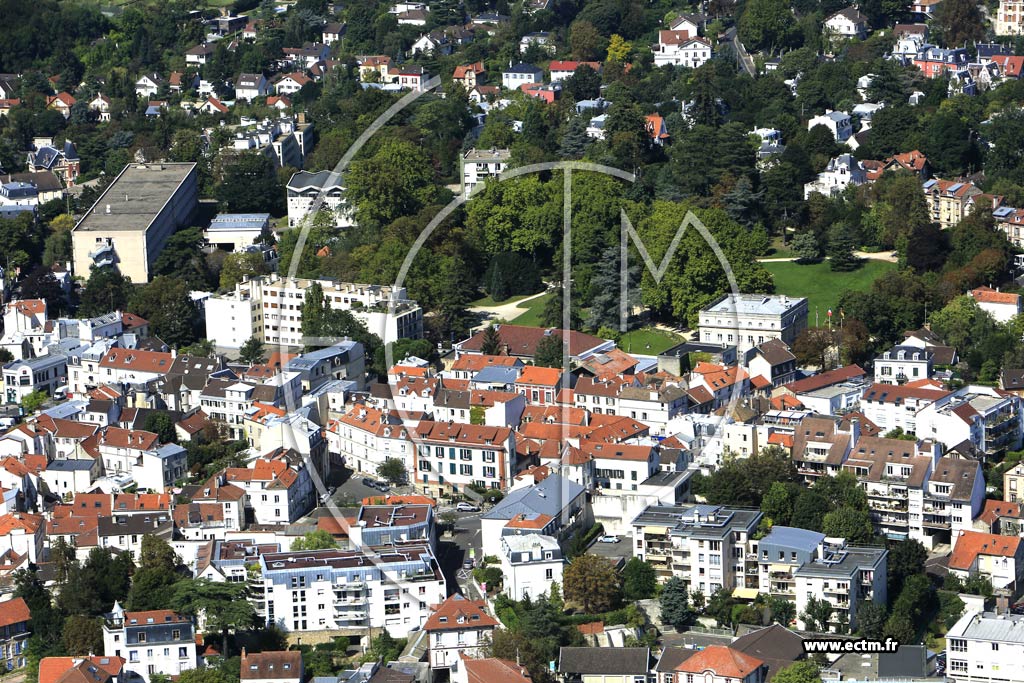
503 311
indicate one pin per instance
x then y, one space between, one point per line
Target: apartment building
458 628
987 418
985 646
390 587
893 406
304 188
894 473
845 576
704 545
1013 484
748 320
555 506
382 525
365 437
45 373
1009 20
953 497
453 455
278 487
948 200
344 360
821 446
130 223
153 642
479 165
902 364
270 308
618 469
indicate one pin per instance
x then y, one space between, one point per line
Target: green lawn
648 341
534 307
779 250
820 285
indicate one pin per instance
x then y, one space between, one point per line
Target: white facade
1010 18
679 48
366 437
480 164
157 641
987 418
752 319
274 307
389 587
304 188
841 172
838 123
983 646
903 364
530 563
521 74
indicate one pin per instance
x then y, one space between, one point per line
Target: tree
783 610
153 582
161 424
805 246
167 303
393 470
201 348
105 291
315 540
809 510
224 604
82 635
814 345
817 614
871 618
252 351
249 185
906 558
41 284
805 671
549 352
960 22
900 628
384 648
205 675
638 580
490 343
182 258
585 41
767 25
840 249
778 502
853 525
584 83
675 604
591 582
618 49
398 180
33 401
239 265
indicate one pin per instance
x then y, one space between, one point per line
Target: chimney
854 432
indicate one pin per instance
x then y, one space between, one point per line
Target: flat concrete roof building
132 220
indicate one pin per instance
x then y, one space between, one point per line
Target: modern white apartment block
983 647
153 642
748 320
270 308
303 189
391 587
988 418
478 165
845 576
704 545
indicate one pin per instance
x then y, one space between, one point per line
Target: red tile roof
458 613
14 612
994 509
522 340
987 295
723 661
20 520
970 544
825 379
137 360
493 670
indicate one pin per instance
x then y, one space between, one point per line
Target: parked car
609 539
381 486
467 507
369 482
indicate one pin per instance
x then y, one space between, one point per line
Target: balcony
104 250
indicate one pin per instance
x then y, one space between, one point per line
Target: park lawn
534 307
821 286
487 301
779 250
649 341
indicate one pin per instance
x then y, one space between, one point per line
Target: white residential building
365 437
840 173
893 406
458 627
390 587
478 165
1009 19
451 456
847 23
530 563
748 320
902 364
304 188
153 642
681 48
270 308
984 646
279 489
1002 306
521 74
987 418
838 123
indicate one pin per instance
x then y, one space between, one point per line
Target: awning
745 593
655 530
781 568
